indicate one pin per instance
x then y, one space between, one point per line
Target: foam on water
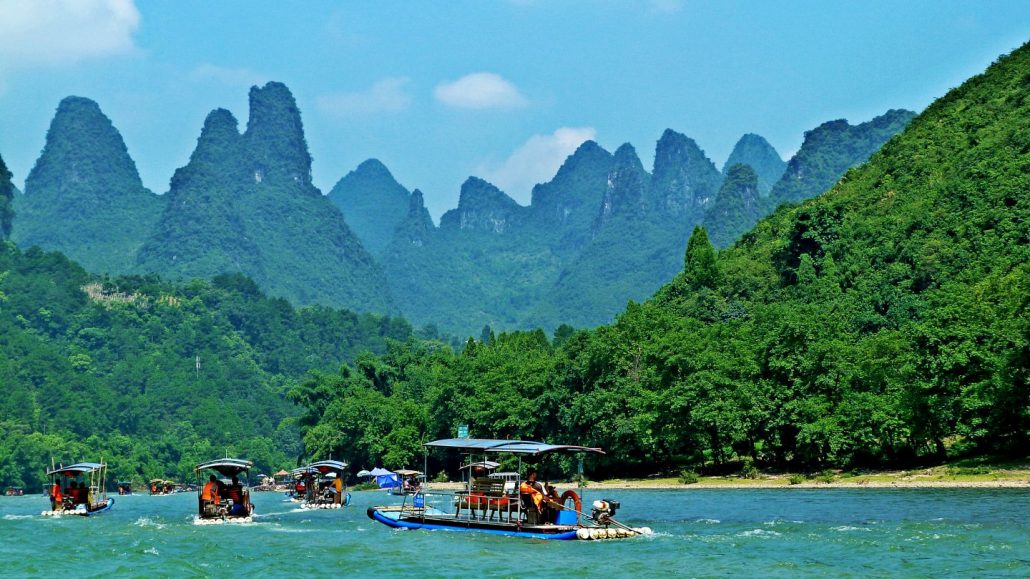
849 528
762 533
147 522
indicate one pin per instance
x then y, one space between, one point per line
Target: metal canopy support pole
518 489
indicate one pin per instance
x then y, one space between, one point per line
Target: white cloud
230 76
386 96
666 6
61 32
480 90
536 161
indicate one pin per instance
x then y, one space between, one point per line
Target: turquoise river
697 532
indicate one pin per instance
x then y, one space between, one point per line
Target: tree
700 265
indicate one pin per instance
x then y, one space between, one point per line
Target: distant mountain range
603 231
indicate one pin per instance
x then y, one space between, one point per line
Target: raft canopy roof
511 446
77 469
326 466
484 464
226 466
406 472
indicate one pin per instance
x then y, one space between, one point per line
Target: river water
697 532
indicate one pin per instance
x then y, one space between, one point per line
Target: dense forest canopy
882 323
154 376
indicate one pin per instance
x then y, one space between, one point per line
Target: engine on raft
602 512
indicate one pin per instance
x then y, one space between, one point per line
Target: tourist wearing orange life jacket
210 492
535 491
56 497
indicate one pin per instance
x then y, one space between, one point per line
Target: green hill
831 149
84 196
373 203
882 323
245 203
755 151
108 367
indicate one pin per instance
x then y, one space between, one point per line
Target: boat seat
481 493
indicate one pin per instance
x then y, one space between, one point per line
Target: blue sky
503 89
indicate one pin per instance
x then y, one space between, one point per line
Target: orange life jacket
528 489
56 493
210 492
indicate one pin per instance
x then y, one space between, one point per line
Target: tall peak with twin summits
245 203
685 180
84 196
755 151
482 207
275 136
373 202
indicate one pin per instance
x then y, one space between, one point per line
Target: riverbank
1017 476
1006 476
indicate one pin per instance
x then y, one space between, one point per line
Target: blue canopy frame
226 466
513 446
325 466
77 469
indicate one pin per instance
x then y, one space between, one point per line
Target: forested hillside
831 149
602 232
100 367
372 202
84 196
882 323
245 203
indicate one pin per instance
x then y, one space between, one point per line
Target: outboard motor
603 510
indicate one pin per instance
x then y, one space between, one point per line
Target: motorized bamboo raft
505 503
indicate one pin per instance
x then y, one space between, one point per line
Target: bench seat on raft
487 494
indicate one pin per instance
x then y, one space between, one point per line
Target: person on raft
543 498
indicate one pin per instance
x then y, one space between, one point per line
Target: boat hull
81 510
398 520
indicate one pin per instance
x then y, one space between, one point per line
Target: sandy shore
923 479
775 484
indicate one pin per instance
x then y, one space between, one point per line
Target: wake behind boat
508 504
78 489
